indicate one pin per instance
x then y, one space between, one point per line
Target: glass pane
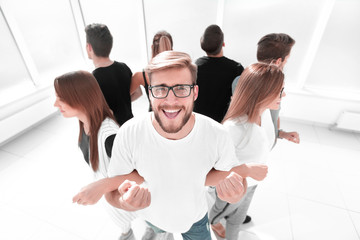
245 22
13 72
337 63
125 22
49 32
185 20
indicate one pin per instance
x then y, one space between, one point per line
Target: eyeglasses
180 90
281 92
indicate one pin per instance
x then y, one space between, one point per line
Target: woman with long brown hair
248 120
78 95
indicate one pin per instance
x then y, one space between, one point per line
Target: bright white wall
42 39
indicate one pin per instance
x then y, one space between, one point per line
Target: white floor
312 190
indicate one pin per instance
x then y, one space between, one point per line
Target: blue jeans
198 231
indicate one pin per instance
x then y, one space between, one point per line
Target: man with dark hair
113 77
215 75
275 48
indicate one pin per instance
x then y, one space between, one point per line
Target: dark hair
274 46
100 39
81 91
212 40
171 59
259 84
162 41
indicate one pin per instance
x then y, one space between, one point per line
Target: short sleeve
227 157
121 157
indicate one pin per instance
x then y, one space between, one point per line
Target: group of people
210 128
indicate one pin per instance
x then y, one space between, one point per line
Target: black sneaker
247 219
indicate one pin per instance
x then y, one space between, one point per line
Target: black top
114 82
214 78
84 145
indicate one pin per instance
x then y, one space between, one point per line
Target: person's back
113 77
114 82
215 75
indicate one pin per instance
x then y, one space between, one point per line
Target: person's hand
257 171
90 194
133 197
290 136
232 188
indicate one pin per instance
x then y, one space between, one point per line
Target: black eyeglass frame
281 92
172 88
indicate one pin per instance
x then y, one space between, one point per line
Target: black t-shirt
114 82
214 78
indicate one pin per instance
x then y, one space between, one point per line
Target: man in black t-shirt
113 77
215 75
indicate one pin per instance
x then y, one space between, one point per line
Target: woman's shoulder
109 126
241 121
238 127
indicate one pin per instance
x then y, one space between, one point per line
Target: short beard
172 129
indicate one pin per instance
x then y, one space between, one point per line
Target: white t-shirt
108 127
174 170
252 142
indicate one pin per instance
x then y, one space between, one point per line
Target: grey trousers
234 214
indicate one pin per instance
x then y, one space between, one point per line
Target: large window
337 62
13 73
245 22
125 22
49 34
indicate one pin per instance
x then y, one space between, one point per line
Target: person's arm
290 136
255 171
130 196
92 193
136 94
136 81
232 188
231 185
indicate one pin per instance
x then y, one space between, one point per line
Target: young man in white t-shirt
177 152
173 149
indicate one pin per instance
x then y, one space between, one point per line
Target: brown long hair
258 85
162 41
81 91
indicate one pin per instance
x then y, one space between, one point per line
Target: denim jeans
198 231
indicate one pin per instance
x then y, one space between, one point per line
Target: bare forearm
136 94
215 176
243 170
113 198
111 184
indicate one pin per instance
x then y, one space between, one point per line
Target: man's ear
278 62
196 92
88 47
